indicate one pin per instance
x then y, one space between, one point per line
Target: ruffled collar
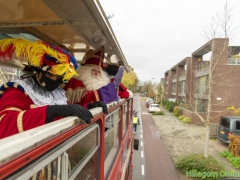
40 96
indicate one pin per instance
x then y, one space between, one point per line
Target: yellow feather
33 52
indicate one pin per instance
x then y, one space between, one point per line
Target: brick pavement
182 139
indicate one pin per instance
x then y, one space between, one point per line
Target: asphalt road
152 160
138 158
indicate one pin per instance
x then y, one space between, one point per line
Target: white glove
130 94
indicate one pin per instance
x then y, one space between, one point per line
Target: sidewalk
183 139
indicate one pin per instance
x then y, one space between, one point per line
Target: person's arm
123 92
74 90
16 114
108 92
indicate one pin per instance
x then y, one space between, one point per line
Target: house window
201 105
182 87
234 61
174 88
202 85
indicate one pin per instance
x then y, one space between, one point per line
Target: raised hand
118 77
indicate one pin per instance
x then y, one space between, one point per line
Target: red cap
95 57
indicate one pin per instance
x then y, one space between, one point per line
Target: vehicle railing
22 148
35 137
59 155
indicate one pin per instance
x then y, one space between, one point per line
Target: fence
213 129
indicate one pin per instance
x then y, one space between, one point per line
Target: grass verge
196 166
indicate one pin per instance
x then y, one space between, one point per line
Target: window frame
60 150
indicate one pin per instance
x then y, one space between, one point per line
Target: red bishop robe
18 113
122 92
77 93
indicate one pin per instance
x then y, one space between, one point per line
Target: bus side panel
116 167
129 169
102 127
116 172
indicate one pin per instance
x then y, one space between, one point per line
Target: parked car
154 108
228 125
150 101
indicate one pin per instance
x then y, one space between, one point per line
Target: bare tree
147 87
220 31
226 22
160 91
221 25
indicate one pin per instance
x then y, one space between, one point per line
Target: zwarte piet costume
35 101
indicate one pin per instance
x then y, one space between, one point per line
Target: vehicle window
88 170
125 119
51 171
237 125
80 150
125 153
225 122
111 147
154 105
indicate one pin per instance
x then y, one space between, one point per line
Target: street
152 160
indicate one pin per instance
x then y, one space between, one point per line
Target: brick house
188 81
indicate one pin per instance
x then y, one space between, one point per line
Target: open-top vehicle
68 148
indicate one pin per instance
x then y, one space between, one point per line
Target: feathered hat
95 57
39 55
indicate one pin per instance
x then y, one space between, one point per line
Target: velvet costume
122 91
16 113
77 93
24 103
18 107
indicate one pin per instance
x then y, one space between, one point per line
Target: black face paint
48 83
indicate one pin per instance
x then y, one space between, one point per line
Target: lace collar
40 96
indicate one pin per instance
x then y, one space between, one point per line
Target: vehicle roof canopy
75 25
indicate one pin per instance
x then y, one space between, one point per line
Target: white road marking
142 169
141 136
141 143
142 154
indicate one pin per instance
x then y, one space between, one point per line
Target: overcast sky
154 35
